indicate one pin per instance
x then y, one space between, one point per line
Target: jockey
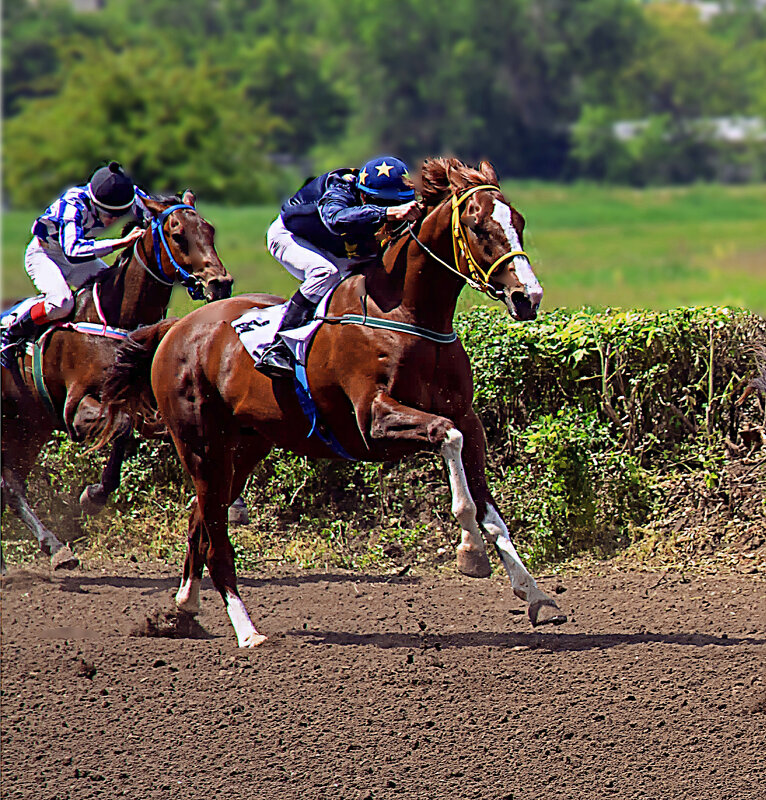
64 254
327 230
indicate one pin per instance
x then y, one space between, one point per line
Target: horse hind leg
218 478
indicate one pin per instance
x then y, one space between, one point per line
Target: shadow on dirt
549 642
80 583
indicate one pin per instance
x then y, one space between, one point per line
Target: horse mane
439 176
127 253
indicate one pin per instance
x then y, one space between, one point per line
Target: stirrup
9 354
276 362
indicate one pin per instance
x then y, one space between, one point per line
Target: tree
171 125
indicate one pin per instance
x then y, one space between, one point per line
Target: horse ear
488 171
189 198
154 207
455 174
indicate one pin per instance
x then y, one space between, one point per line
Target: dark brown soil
375 687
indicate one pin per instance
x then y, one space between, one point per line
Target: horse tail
127 389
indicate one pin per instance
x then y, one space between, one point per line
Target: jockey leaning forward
63 253
327 230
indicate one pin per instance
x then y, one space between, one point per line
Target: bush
585 413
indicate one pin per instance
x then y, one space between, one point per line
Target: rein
191 283
477 278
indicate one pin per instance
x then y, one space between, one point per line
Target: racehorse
58 387
387 382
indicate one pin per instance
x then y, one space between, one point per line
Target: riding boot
278 359
22 329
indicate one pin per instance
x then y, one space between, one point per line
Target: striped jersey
72 223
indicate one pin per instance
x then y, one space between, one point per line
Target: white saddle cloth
257 329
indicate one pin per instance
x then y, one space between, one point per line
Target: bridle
477 278
191 282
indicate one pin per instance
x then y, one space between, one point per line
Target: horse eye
180 240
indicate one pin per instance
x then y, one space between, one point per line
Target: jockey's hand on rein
133 236
407 212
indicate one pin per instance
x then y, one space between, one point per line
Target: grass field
590 245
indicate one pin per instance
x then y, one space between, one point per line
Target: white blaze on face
502 215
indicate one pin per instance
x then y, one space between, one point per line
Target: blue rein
189 281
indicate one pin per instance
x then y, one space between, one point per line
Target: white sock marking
187 596
247 635
463 506
521 580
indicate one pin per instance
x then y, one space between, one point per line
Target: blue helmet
384 178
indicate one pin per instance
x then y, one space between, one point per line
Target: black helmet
111 189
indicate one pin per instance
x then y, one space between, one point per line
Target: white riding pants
318 271
55 276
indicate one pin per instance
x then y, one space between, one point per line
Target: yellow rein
459 242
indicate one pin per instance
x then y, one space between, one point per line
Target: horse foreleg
61 556
94 497
392 420
471 482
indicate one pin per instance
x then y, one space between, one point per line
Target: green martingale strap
399 327
37 374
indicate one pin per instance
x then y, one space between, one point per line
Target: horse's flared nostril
218 289
523 307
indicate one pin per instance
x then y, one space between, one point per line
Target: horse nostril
219 288
524 308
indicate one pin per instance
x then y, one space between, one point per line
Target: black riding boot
22 329
278 359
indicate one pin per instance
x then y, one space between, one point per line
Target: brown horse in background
136 291
384 394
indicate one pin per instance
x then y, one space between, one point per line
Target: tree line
241 99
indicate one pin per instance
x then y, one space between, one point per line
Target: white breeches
53 275
318 271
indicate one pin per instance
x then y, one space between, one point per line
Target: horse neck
428 290
129 296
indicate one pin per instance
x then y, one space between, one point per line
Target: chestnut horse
71 365
383 392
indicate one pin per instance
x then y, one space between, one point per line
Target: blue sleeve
342 215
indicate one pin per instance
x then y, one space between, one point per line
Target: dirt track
377 687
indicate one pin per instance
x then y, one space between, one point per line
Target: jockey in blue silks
327 230
64 254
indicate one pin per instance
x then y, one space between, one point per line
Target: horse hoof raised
64 558
238 513
473 563
545 612
92 500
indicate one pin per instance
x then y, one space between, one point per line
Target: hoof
238 513
253 640
545 612
64 558
473 563
189 608
92 500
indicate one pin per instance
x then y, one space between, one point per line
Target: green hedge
584 412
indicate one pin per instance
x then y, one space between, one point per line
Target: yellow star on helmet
363 176
384 169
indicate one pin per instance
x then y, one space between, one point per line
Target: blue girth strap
308 406
189 281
